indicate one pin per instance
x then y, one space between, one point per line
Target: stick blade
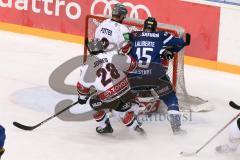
234 105
187 154
23 127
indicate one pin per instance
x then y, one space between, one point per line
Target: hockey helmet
118 10
150 24
95 46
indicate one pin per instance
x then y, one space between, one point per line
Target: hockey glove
126 48
187 39
82 99
83 93
167 55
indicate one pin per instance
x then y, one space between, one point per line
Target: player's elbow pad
126 48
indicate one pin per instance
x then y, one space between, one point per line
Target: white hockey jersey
115 32
105 72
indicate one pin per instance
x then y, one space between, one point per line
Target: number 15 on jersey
144 57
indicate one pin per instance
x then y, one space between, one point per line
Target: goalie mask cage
175 66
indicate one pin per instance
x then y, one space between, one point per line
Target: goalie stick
30 128
232 104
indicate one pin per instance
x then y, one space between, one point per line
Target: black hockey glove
167 55
82 99
187 39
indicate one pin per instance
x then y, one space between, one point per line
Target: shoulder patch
166 34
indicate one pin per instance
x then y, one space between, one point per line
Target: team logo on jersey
107 10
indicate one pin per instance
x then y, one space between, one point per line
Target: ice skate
175 125
107 129
178 131
140 130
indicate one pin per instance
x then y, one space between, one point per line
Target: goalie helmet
95 46
119 10
150 24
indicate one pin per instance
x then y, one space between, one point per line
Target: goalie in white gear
234 139
112 32
105 72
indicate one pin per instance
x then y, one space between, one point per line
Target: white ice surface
26 63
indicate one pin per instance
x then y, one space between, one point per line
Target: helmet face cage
150 24
119 10
95 46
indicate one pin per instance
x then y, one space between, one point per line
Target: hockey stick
30 128
197 151
234 105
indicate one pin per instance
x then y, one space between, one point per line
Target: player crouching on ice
150 48
234 139
2 139
105 72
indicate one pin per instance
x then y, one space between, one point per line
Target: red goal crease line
219 66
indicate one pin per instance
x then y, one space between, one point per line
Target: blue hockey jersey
147 48
2 136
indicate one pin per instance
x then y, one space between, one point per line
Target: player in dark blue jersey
150 48
2 139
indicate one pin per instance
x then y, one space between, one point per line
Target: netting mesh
175 66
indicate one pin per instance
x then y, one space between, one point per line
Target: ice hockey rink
26 63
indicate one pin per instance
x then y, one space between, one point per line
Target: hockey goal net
175 66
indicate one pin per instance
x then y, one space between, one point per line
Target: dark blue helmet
150 24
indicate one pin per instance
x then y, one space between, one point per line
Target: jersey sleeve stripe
168 39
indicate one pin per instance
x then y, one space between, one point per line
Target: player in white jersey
105 72
112 30
234 139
